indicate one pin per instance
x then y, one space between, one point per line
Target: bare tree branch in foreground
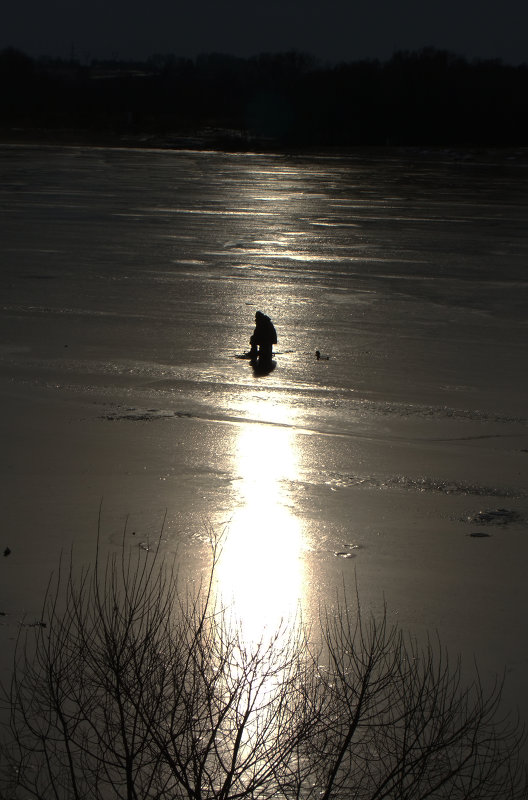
399 722
138 690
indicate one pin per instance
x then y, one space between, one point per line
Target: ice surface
130 283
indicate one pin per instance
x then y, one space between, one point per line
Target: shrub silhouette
133 687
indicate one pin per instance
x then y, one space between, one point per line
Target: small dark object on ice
7 552
346 553
479 535
319 357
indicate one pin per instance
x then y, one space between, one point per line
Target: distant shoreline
202 140
270 103
229 142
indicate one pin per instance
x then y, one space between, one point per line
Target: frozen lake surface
130 283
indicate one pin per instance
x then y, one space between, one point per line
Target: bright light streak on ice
260 574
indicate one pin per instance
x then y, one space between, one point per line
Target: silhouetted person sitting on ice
263 338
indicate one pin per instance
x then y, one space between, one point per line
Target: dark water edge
227 141
232 141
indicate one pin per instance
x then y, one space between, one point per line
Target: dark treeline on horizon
423 98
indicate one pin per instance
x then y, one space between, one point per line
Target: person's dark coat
264 336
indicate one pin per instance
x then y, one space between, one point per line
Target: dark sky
332 30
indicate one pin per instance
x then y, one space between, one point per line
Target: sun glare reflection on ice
259 574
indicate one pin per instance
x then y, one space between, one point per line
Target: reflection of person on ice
263 338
